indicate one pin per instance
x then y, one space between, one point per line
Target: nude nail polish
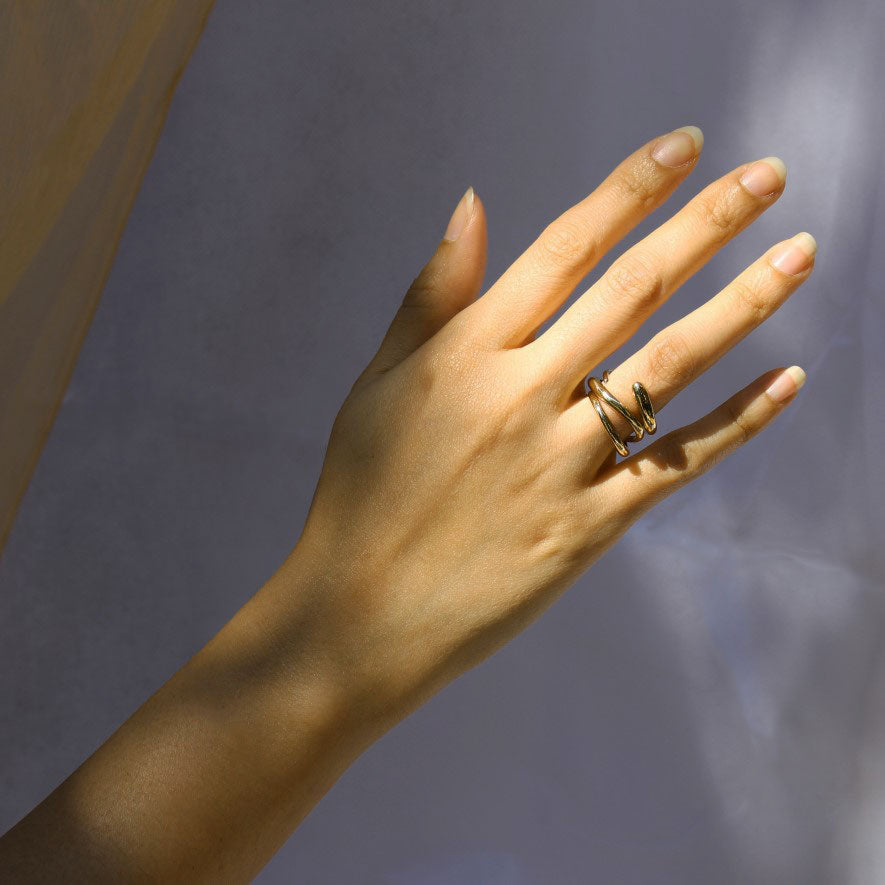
796 254
786 384
460 217
765 176
678 147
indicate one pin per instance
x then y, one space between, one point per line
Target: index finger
543 276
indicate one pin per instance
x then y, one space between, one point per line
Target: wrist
310 634
362 623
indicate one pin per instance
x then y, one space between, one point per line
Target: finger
446 285
680 353
641 279
638 482
543 276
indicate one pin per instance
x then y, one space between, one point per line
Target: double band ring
597 392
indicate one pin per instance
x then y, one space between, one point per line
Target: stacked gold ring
598 392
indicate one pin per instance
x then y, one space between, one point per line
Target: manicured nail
786 384
765 176
679 147
796 254
462 214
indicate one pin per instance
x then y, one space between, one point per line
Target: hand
468 480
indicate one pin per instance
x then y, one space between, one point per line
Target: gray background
708 703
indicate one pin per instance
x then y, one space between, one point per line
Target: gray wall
722 722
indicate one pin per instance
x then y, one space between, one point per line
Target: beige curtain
84 90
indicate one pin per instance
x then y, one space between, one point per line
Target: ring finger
682 351
644 276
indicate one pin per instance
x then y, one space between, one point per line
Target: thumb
445 285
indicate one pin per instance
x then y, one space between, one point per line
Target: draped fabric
84 89
707 704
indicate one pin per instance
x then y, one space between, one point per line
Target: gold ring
597 392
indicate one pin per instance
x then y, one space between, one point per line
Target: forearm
211 775
467 482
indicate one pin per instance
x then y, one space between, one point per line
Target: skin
467 483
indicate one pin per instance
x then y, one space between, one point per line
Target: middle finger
644 276
682 351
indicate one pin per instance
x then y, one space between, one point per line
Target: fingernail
460 217
765 176
795 255
678 147
786 384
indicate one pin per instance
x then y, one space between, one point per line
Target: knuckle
423 289
635 278
751 299
719 215
563 244
427 374
671 359
743 430
637 184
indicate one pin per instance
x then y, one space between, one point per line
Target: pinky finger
640 481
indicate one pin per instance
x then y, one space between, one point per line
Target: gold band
598 392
